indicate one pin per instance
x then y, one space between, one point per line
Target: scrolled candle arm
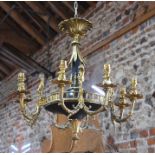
120 119
104 104
23 100
122 105
132 96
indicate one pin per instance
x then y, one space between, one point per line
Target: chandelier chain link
75 9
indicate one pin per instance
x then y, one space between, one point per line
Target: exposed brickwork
143 133
131 54
133 144
151 141
151 150
152 132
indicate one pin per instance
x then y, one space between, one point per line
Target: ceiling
26 26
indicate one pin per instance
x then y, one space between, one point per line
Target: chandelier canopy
72 99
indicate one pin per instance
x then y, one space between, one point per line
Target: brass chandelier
71 99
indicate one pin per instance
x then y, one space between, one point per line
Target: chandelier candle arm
121 105
120 119
61 82
132 96
23 99
70 112
104 104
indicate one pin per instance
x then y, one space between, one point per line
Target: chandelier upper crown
75 26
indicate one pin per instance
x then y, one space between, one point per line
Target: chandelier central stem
75 61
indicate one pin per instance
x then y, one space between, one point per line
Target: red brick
143 133
133 144
133 151
123 145
152 131
151 141
151 150
19 139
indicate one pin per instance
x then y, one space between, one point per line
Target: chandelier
72 99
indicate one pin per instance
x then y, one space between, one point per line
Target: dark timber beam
59 11
2 75
26 9
7 61
22 22
4 68
37 8
91 3
68 5
9 36
23 61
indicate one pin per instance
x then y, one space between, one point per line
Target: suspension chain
75 9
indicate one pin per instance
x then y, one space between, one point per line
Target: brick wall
131 54
14 130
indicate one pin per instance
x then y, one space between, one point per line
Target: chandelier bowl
91 101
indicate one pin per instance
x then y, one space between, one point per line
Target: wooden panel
90 140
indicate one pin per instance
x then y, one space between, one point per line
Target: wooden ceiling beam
25 8
68 5
22 22
91 3
81 8
7 61
9 36
37 8
12 33
15 59
2 75
4 68
59 11
23 61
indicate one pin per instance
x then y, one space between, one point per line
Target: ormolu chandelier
73 101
